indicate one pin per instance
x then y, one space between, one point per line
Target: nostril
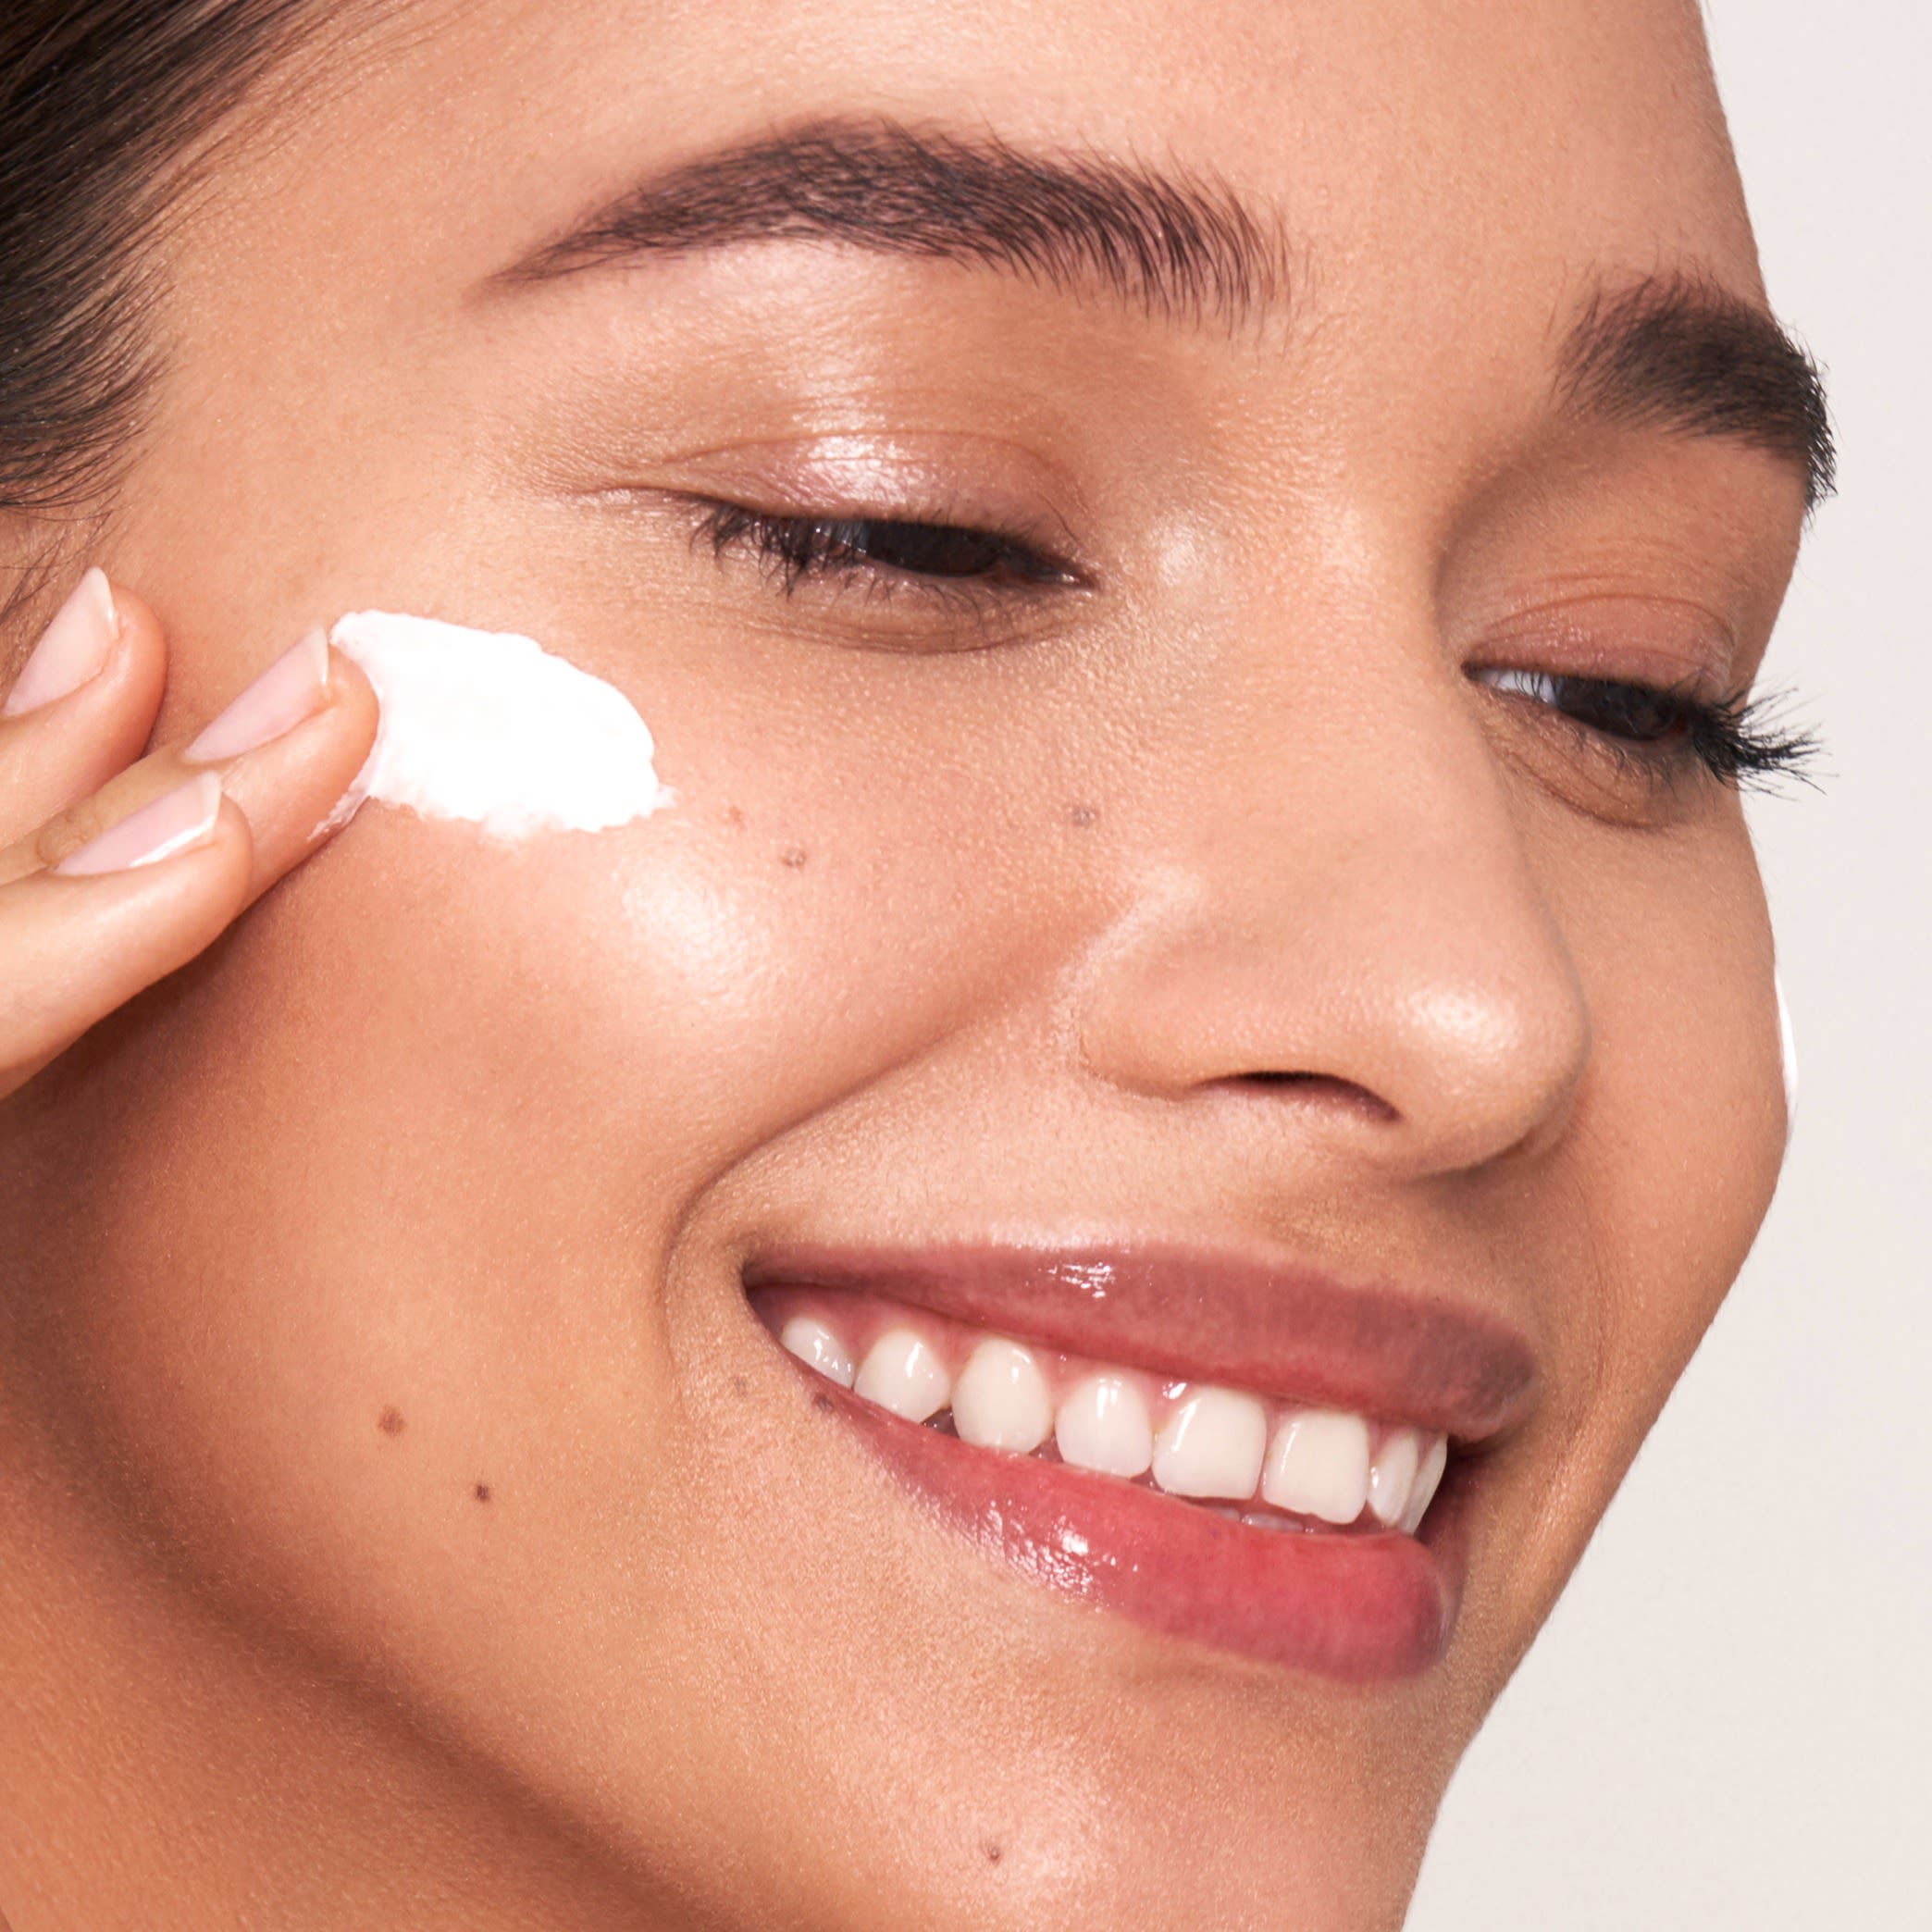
1326 1089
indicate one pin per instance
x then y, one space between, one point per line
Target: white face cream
488 727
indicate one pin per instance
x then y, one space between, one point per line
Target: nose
1346 925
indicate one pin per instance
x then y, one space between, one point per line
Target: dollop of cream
488 727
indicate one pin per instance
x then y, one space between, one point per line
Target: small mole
1082 815
793 858
390 1422
992 1852
734 818
823 1403
482 1493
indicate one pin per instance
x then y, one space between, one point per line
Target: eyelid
973 482
1664 643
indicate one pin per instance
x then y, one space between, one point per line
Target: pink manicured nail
162 827
288 691
74 648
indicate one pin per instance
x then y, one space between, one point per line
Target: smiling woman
1004 1295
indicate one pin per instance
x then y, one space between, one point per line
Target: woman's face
1151 943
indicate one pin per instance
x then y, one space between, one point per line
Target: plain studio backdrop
1729 1722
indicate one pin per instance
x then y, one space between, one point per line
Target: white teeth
819 1348
902 1373
1103 1425
1319 1466
1000 1399
1393 1475
1211 1445
1422 1492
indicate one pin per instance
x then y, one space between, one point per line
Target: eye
1640 715
794 548
1732 738
933 550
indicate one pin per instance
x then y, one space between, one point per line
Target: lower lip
1362 1607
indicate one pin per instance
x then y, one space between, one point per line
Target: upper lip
1277 1328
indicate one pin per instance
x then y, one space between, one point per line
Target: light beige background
1728 1723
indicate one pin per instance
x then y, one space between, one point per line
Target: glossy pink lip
1354 1607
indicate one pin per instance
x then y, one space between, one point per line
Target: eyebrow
1682 355
1180 246
1673 353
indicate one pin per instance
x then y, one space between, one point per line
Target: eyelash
1739 740
947 559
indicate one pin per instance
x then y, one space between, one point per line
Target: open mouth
1077 1416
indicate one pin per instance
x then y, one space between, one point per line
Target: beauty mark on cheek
491 728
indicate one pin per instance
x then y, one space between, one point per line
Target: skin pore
408 1521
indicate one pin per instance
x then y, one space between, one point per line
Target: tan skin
407 1523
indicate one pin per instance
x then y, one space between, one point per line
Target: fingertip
70 652
136 672
185 818
351 694
93 678
299 791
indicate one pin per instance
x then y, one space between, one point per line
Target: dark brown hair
101 103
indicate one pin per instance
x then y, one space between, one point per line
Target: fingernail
288 691
164 827
74 648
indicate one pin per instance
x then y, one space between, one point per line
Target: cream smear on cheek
489 728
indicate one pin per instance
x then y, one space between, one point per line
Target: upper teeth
1001 1400
1212 1444
1321 1465
1103 1425
1197 1441
902 1373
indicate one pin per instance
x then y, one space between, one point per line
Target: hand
115 871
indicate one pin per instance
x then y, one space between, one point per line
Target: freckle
482 1493
1082 815
739 1384
390 1422
734 818
792 857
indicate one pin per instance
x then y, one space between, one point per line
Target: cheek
656 1002
455 1103
1693 1125
1660 1186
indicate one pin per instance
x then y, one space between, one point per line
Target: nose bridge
1360 913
